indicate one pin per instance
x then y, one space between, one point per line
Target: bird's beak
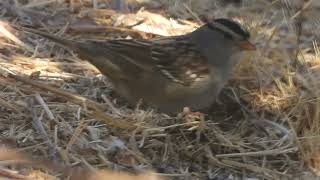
246 45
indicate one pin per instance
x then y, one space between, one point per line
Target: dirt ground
60 117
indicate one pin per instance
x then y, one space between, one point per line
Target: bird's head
232 32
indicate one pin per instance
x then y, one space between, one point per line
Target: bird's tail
107 66
65 42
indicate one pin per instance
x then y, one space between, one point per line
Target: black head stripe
230 28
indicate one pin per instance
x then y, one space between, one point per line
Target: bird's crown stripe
226 29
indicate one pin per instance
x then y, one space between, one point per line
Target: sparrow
167 73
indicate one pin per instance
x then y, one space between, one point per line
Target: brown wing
134 52
178 59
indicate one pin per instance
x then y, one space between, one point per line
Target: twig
213 160
96 107
299 12
38 4
44 105
272 152
13 38
8 105
284 130
267 172
76 134
75 98
110 104
37 123
192 13
12 175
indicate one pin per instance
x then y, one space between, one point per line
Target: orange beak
247 45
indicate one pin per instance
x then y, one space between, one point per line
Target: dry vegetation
59 109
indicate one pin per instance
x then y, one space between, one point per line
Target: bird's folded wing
178 59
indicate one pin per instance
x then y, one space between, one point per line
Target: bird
167 73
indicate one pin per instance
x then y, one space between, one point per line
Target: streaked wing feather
132 51
184 65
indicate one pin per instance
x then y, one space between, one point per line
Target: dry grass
58 108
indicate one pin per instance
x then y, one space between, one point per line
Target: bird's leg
189 115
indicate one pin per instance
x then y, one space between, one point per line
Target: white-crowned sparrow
168 73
